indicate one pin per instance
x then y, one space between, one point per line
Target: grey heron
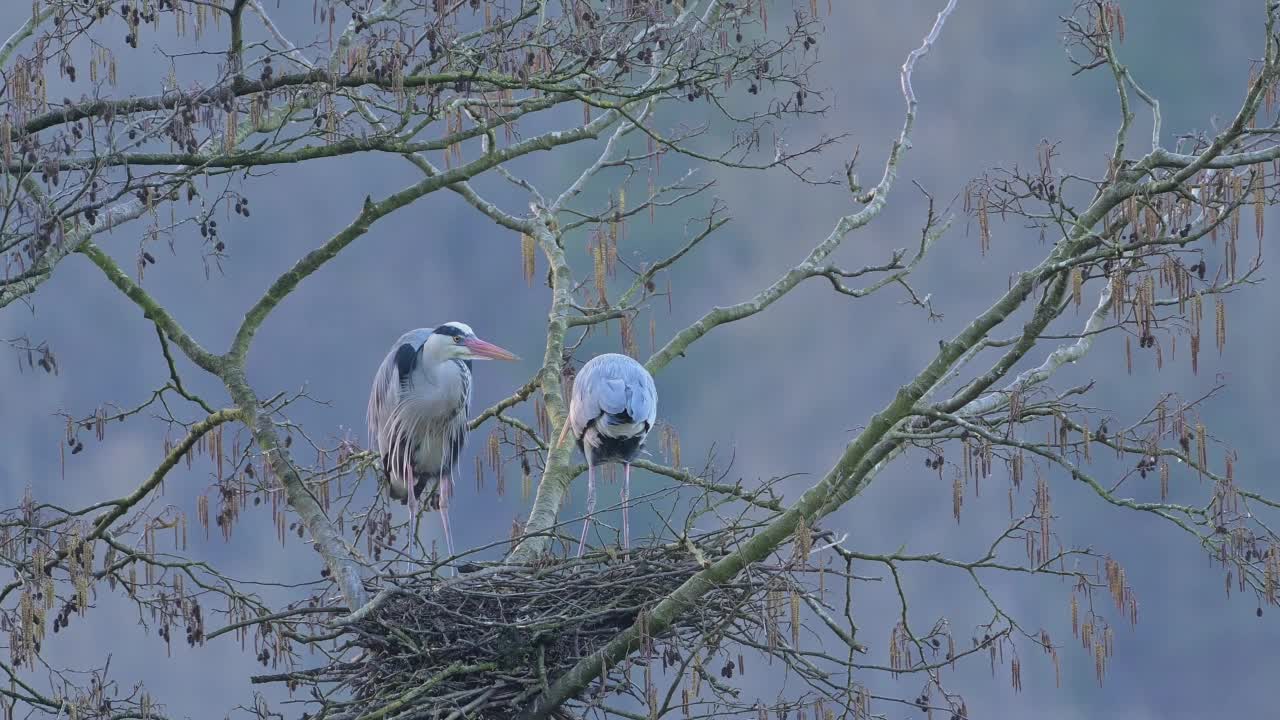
418 412
613 408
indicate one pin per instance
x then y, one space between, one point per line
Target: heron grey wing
579 413
396 366
595 390
385 392
629 388
384 398
414 337
642 396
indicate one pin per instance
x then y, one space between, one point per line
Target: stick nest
489 641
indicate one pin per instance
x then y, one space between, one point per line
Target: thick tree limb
836 480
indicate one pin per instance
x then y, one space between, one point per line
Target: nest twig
481 646
525 626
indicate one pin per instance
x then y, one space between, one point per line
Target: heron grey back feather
386 383
614 384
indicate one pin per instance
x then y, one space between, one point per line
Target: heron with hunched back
613 407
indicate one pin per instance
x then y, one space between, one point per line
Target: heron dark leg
412 529
415 541
413 502
626 496
446 483
591 506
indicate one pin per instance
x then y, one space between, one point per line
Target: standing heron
418 412
613 408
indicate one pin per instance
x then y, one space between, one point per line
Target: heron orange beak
486 350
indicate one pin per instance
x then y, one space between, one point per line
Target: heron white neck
434 351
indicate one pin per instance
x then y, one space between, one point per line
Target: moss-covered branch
151 309
321 77
337 554
235 51
559 473
26 30
388 143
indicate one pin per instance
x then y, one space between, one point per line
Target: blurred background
781 393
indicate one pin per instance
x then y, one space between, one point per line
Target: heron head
457 340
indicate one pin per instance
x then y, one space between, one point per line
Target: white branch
24 32
910 64
574 189
1061 356
291 50
655 75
